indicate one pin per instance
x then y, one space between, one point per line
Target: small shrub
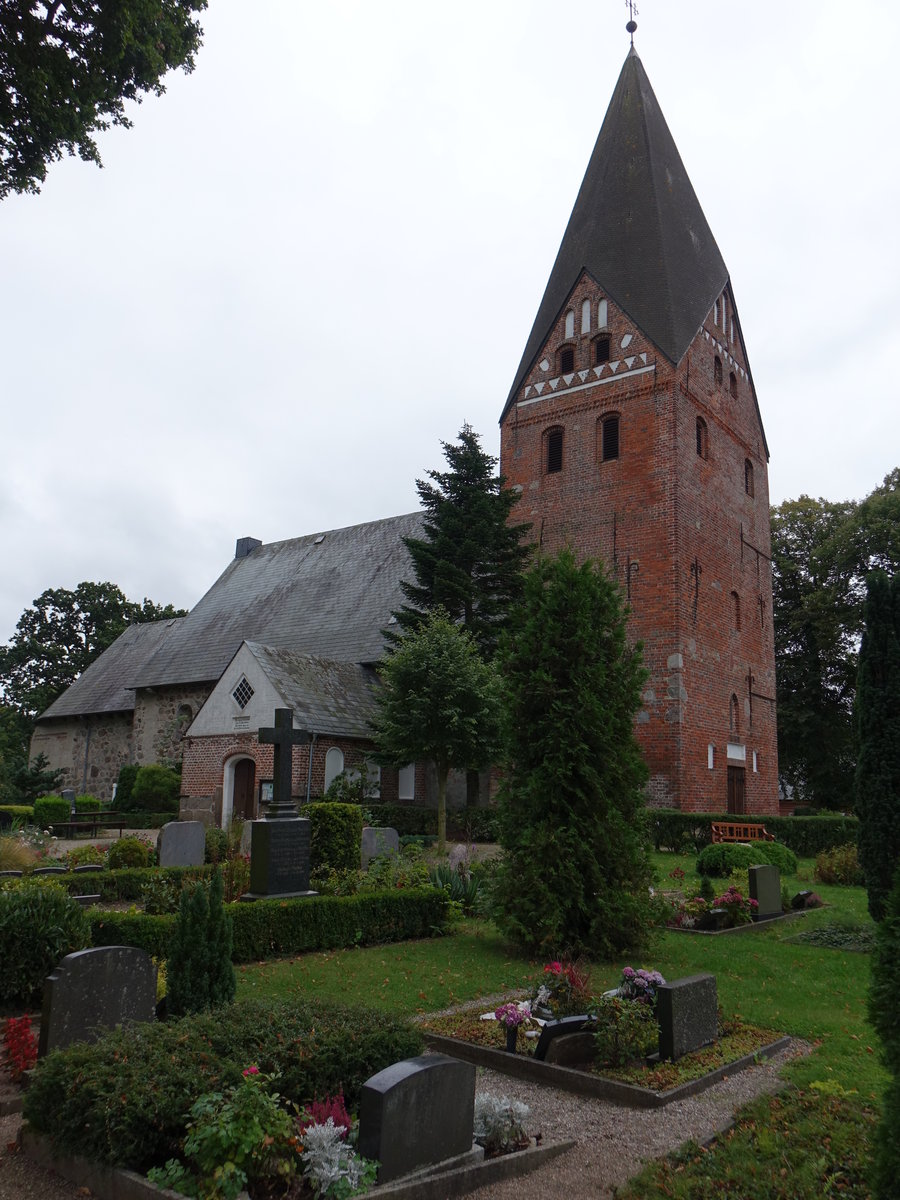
87 804
335 836
156 789
86 855
128 852
20 1045
781 857
199 970
161 894
39 925
331 1165
840 865
723 857
737 905
125 786
216 844
707 891
625 1031
564 988
500 1123
49 810
389 873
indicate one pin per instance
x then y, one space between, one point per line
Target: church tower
632 432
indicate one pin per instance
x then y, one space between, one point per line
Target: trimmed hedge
806 836
335 835
278 928
463 824
49 810
125 1100
111 886
725 857
140 819
39 925
10 813
87 804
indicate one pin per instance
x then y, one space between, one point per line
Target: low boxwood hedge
277 928
806 836
15 814
113 886
125 1099
463 824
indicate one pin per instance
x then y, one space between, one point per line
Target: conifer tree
222 982
469 561
884 1013
199 973
878 719
575 874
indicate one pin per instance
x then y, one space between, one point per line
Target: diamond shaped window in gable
243 693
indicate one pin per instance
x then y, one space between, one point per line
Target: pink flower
554 968
251 1071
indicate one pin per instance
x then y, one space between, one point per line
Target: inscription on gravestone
279 843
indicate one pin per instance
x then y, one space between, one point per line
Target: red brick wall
648 515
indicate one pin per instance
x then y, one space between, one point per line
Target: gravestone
279 843
686 1010
93 991
377 841
69 795
550 1046
182 844
417 1113
765 889
80 870
50 871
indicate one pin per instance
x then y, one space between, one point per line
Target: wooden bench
739 831
90 823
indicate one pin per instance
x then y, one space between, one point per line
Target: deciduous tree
439 702
67 68
575 873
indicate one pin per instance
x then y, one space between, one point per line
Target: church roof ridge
637 228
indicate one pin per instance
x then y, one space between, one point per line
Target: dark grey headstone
93 991
88 867
765 889
181 844
564 1027
10 874
50 871
279 858
417 1113
377 841
686 1012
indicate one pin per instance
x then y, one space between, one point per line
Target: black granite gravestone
417 1113
765 889
93 991
279 843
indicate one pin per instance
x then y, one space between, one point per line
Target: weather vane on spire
632 23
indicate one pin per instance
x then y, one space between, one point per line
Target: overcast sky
318 255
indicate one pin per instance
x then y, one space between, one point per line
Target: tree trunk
442 773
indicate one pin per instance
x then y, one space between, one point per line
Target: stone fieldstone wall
161 719
88 750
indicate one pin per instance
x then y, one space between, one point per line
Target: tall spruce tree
878 722
469 561
576 872
884 1014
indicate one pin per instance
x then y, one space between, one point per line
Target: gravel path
613 1142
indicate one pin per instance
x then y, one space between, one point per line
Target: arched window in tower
716 313
717 369
702 438
601 349
602 315
724 316
732 385
748 476
609 437
736 610
566 360
734 715
553 450
586 317
570 323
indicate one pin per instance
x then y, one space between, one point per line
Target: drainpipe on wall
312 746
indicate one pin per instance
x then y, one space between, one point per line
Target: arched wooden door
244 804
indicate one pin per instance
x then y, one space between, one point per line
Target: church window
586 317
732 385
334 764
724 316
716 313
601 349
717 369
748 476
602 315
609 438
553 457
242 694
570 323
567 360
736 609
702 438
406 782
734 715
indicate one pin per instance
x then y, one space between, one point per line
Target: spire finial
632 23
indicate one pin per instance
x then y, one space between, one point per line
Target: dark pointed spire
637 228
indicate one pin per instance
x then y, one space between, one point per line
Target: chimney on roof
243 547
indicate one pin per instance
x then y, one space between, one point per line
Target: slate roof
328 594
637 228
102 687
326 696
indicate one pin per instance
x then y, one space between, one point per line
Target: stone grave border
116 1183
567 1079
751 927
